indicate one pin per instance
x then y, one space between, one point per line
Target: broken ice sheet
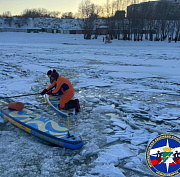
113 154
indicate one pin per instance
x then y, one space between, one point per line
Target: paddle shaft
68 124
68 119
19 95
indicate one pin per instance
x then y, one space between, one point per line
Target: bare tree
7 14
8 21
110 19
35 13
54 14
88 15
161 15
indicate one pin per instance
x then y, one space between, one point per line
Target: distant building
79 32
47 30
64 31
34 30
12 30
171 0
120 14
133 10
138 8
102 30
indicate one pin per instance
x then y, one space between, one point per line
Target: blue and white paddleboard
40 126
53 101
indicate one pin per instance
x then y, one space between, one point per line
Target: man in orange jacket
62 87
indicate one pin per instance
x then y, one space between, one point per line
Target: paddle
19 95
69 136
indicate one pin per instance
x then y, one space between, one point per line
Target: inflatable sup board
53 101
40 126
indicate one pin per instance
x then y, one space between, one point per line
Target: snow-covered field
128 91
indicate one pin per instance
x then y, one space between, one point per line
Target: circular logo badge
163 155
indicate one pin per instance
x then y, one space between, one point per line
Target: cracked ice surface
128 91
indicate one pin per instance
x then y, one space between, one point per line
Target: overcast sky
16 7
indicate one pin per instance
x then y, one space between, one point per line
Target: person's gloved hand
49 92
44 91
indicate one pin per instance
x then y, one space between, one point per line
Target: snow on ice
128 91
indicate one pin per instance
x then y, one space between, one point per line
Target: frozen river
128 91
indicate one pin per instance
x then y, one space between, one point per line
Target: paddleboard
41 127
53 101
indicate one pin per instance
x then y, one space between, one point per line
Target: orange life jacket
62 84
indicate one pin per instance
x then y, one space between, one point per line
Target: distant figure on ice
103 39
169 39
62 87
175 39
108 39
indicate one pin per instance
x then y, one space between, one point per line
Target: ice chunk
113 154
92 99
111 139
104 109
119 123
107 170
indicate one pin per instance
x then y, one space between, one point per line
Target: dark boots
73 104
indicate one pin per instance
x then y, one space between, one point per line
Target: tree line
107 9
157 21
33 13
154 20
160 19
